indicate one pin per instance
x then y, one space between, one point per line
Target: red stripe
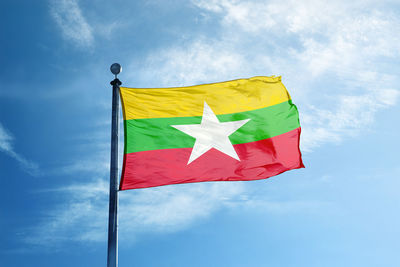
259 160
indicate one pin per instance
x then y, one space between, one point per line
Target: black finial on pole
116 69
112 256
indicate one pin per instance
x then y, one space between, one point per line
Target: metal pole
112 256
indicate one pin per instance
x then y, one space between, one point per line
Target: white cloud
164 209
336 58
288 16
6 140
194 63
95 164
351 114
68 16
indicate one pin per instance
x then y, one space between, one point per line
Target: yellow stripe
223 98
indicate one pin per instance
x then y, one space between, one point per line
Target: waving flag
245 129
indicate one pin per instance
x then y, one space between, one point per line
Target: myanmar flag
245 129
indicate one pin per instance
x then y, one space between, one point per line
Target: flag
245 129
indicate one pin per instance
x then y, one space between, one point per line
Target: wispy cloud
334 52
82 216
74 26
200 61
163 209
352 114
6 146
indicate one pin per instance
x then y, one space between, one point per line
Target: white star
211 134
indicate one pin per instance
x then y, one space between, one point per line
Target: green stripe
157 133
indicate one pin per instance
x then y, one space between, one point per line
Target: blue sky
338 59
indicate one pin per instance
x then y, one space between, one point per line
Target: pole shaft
112 256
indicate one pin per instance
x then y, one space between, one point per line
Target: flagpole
112 256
